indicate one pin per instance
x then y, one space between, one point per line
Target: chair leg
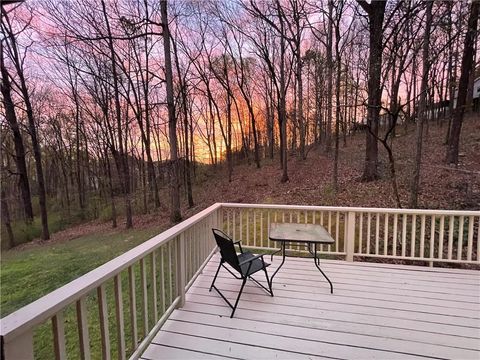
215 278
238 297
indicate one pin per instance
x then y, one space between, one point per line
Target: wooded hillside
116 109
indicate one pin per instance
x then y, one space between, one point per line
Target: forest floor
31 270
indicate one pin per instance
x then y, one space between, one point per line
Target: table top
309 233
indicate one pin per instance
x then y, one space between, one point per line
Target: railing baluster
460 237
188 255
440 239
234 236
191 242
432 238
321 223
422 236
240 214
170 272
82 324
404 234
369 228
248 227
385 237
228 224
414 232
143 279
261 228
337 230
395 234
329 247
154 286
203 244
377 232
133 306
451 227
103 316
58 327
360 234
180 269
117 282
162 278
470 238
198 245
290 245
268 229
254 228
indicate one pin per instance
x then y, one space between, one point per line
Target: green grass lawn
28 274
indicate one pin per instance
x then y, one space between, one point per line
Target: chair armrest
239 243
251 259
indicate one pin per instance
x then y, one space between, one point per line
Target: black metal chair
245 264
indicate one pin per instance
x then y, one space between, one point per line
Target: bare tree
467 68
175 214
11 117
17 60
376 13
422 110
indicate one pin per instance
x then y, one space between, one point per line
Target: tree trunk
338 114
300 120
175 214
422 107
376 13
282 115
183 93
121 156
329 75
42 197
463 88
110 188
6 220
23 182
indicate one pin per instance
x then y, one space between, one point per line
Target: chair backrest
227 249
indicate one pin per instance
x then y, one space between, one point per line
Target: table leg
309 246
281 264
318 267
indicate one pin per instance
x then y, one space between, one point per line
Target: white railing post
350 236
218 219
20 347
180 270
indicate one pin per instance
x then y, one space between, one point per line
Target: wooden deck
377 311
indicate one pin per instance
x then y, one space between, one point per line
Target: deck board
377 311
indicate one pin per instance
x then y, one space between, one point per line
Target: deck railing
116 309
442 236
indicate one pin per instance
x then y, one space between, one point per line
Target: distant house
476 95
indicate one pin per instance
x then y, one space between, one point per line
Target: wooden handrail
354 209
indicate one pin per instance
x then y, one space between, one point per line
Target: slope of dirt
442 186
